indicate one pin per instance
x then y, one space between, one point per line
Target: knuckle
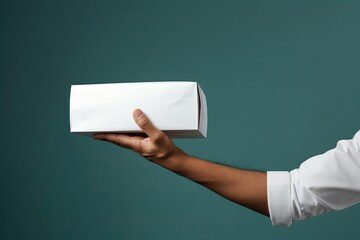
143 122
112 139
117 141
138 147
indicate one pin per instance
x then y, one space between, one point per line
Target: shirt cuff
279 199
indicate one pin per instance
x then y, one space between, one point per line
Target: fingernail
138 114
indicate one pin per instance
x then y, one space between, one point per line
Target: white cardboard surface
178 108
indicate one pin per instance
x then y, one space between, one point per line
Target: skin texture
244 187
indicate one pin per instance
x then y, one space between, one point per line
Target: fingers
120 139
145 124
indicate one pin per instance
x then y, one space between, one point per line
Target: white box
177 108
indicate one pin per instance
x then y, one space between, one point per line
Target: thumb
145 124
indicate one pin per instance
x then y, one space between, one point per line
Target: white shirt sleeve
323 183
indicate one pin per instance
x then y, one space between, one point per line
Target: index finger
119 139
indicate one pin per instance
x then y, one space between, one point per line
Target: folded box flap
203 121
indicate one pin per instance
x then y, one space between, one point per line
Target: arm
247 188
323 183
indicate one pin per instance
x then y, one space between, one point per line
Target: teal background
282 81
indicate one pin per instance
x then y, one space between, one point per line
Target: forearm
247 188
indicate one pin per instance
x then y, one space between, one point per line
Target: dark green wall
282 80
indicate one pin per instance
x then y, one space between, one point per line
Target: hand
156 146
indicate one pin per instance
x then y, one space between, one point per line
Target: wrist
174 161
